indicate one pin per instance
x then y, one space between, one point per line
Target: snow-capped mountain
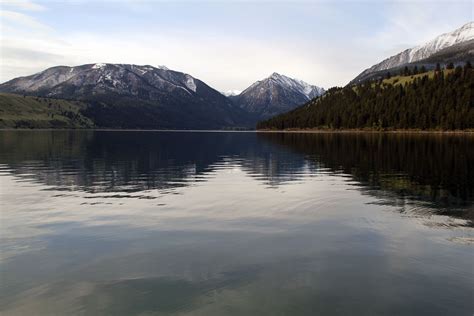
135 96
275 94
123 79
231 93
461 35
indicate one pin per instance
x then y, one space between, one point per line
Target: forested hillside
18 111
440 99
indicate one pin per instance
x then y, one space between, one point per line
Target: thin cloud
411 24
228 49
22 5
23 20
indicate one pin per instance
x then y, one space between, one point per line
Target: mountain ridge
116 90
168 98
424 51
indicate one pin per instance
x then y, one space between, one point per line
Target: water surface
225 223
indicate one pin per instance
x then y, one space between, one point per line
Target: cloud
223 62
22 5
407 24
412 23
23 20
322 45
26 44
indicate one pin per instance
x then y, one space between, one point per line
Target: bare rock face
274 95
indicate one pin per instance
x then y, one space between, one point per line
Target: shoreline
293 131
368 131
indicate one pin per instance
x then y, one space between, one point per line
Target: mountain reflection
132 161
395 168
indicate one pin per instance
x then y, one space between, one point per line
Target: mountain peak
276 75
468 25
300 86
99 66
231 93
276 94
463 34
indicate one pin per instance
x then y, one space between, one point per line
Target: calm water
187 223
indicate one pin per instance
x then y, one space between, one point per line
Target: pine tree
406 71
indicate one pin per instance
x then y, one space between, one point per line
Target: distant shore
395 131
129 130
308 131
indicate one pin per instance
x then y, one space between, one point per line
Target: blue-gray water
194 223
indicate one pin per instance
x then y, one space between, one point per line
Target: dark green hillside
440 100
18 111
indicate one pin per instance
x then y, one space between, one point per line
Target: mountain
433 100
459 53
456 46
132 96
274 95
231 93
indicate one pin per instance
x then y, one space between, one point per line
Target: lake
236 223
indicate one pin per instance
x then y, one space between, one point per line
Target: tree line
440 100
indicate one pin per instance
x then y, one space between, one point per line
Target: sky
227 44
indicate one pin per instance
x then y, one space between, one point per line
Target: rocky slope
131 96
457 54
274 95
457 38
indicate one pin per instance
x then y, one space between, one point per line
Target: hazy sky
229 45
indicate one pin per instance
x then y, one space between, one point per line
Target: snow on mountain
98 66
135 96
300 86
190 83
463 34
275 94
101 77
230 93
